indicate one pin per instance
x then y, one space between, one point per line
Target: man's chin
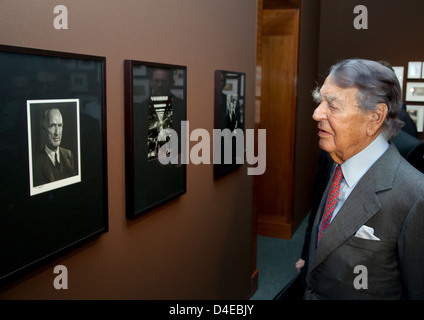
323 144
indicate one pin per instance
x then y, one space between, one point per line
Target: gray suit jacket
390 199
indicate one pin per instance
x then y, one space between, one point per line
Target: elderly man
54 162
367 240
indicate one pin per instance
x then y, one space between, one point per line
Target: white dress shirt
51 154
354 168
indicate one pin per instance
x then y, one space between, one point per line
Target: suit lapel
64 157
46 167
356 211
360 206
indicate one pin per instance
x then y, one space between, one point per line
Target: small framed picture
414 69
229 119
417 114
54 147
399 75
415 91
155 108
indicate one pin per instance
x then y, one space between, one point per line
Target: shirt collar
355 167
51 153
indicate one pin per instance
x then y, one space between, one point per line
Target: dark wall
394 33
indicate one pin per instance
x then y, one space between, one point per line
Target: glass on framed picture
155 108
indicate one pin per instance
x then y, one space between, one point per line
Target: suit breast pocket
381 267
366 244
371 253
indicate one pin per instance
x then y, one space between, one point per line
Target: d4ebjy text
227 309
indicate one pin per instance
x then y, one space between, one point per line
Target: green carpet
275 262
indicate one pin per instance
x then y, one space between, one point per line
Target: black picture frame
155 109
49 209
230 97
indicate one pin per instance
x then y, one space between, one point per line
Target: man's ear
377 117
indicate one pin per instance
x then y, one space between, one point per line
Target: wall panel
198 246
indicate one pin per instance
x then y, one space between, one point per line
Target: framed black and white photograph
155 106
417 115
414 69
414 91
399 71
53 144
229 119
53 156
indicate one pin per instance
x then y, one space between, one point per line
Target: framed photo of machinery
229 119
155 107
52 154
414 91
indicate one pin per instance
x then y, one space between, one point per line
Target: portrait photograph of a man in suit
54 159
367 240
231 100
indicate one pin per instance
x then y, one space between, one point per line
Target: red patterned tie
333 196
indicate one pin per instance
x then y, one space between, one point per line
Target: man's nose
319 113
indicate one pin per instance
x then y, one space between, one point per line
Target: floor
275 262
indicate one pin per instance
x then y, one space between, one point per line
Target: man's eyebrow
318 97
331 98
